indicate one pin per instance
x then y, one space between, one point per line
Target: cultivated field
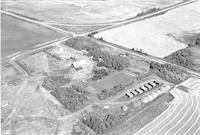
181 118
18 35
192 86
83 11
153 35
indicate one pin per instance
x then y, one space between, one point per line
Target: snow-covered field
153 35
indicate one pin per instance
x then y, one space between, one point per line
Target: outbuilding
79 63
144 88
134 92
129 95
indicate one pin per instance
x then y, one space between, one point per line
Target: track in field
181 118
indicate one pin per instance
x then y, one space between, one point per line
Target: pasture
18 35
153 35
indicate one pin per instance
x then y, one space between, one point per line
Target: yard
112 80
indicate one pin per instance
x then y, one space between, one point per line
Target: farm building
148 86
134 92
140 91
128 94
84 52
80 63
144 88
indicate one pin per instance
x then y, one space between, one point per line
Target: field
41 65
18 35
138 66
195 57
182 117
187 37
144 116
153 35
188 57
191 85
11 82
110 81
84 11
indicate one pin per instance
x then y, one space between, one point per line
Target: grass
41 65
190 60
110 81
142 118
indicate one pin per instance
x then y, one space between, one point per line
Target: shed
79 63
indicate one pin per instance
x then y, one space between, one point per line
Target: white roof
134 92
80 63
152 83
144 88
139 90
149 86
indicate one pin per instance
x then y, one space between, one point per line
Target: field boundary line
183 96
193 113
177 114
166 111
193 124
181 105
187 113
198 129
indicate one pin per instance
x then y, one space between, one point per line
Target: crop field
110 81
18 35
192 86
153 35
83 11
181 118
145 115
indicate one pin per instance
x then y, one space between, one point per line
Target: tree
197 42
94 49
53 82
99 74
168 72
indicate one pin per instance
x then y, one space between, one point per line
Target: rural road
128 20
41 46
38 22
140 18
124 22
147 57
